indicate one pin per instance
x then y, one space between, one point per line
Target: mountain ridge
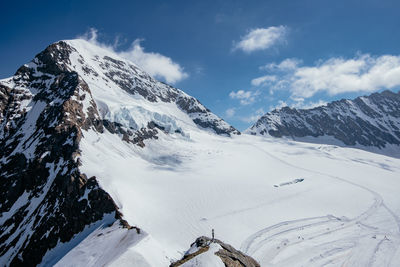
370 122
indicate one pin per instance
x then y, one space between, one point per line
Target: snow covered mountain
369 122
45 108
101 165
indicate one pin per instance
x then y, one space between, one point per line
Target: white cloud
285 65
337 75
311 104
157 65
280 105
245 97
230 112
263 80
261 38
363 73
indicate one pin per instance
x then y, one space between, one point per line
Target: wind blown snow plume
155 64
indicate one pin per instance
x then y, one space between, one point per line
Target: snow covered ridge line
46 109
368 122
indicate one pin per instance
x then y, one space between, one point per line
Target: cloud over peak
155 64
245 97
261 38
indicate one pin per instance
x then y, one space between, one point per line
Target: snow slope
190 181
285 203
114 246
345 211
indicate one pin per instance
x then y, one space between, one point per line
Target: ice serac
45 109
370 122
129 96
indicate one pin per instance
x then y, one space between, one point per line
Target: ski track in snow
325 220
189 181
318 227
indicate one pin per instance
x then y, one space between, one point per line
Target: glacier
197 173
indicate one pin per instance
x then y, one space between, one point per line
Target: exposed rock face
45 110
203 117
228 254
45 198
368 121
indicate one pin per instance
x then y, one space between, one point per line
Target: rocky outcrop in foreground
229 256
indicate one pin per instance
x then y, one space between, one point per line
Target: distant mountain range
369 122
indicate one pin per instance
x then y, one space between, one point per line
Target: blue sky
239 58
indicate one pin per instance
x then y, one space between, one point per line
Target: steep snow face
128 96
113 246
369 122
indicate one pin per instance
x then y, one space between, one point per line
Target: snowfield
285 203
186 183
345 211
